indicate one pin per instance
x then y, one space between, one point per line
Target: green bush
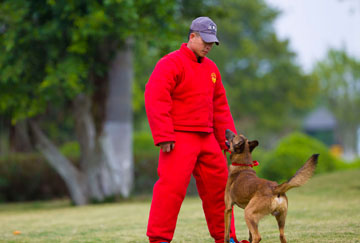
29 177
71 149
291 153
355 164
25 177
348 165
146 156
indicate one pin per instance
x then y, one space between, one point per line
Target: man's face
198 46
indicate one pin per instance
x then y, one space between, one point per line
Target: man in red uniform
188 114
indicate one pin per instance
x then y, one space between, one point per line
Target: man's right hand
167 146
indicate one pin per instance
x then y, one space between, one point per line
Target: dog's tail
301 176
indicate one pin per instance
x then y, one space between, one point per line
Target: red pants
198 154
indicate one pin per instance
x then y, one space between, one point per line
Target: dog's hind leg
281 217
252 222
254 211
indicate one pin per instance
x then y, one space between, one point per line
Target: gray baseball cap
206 28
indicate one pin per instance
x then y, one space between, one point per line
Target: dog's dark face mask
238 144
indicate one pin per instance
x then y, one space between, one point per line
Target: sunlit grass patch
327 209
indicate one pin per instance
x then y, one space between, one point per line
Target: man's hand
167 146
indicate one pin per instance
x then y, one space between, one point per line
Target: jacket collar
189 53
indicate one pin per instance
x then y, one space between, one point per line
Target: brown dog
259 197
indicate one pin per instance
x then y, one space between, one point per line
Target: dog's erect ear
229 135
253 144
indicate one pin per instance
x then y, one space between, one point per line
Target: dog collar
254 163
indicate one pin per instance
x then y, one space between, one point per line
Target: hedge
291 153
25 177
29 177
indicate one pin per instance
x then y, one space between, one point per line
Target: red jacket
184 95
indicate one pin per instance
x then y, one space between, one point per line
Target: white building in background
322 125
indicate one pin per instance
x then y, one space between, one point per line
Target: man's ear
192 35
253 144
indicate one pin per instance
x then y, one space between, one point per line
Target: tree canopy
76 58
52 50
339 78
267 90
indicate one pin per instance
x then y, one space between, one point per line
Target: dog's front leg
228 212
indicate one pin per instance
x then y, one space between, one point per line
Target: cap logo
212 27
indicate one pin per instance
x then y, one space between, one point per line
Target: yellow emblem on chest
213 77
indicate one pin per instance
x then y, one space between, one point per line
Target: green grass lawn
327 209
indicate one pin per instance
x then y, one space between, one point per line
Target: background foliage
291 153
28 177
339 80
267 90
53 50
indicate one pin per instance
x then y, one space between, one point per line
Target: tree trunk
19 137
116 138
4 135
106 158
68 172
93 164
106 163
91 159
